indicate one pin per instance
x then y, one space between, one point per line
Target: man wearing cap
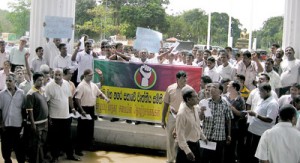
17 54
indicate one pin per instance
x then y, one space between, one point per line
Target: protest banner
58 27
147 39
136 90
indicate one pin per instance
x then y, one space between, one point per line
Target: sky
240 9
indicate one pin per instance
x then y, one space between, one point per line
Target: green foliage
20 16
270 33
5 25
148 15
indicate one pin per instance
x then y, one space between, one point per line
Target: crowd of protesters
242 93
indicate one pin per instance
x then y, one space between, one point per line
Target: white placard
210 145
147 39
58 27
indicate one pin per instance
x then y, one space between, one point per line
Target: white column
291 26
42 8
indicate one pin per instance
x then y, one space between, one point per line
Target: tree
82 15
148 15
5 25
20 16
270 33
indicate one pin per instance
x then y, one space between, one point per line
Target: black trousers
60 137
195 148
210 156
251 145
10 141
85 129
36 141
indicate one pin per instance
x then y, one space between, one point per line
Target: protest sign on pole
147 39
58 27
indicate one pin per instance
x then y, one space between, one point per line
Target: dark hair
287 112
190 55
61 45
241 77
180 74
296 85
270 60
36 75
118 44
296 99
2 42
206 79
38 48
66 70
87 43
11 75
225 80
276 45
265 86
211 59
207 51
266 75
236 85
228 48
247 54
223 51
187 93
87 71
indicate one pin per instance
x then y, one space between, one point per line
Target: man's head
23 42
279 53
211 62
295 90
225 82
190 96
274 47
7 65
224 57
289 53
247 58
199 55
234 86
2 45
263 78
216 90
20 75
119 47
206 54
62 48
88 75
207 90
88 47
38 79
205 80
143 54
287 113
269 65
39 51
68 73
189 59
296 102
241 78
181 78
11 81
264 90
57 41
58 75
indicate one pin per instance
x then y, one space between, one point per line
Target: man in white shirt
64 59
51 50
211 69
188 128
3 54
84 58
274 77
281 143
17 55
264 118
254 98
290 70
286 99
59 99
249 68
225 70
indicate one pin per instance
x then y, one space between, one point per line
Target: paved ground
118 154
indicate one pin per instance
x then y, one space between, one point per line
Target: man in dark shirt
37 128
